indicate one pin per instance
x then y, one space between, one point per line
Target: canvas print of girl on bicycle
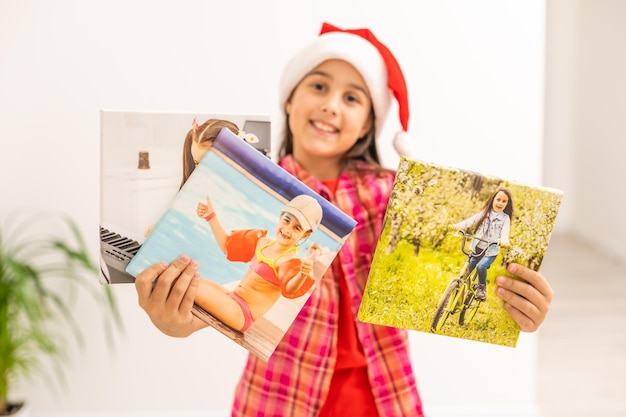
447 234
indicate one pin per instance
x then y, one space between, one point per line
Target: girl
493 224
274 267
335 94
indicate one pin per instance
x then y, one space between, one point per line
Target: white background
475 72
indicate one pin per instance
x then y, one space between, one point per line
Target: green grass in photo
408 287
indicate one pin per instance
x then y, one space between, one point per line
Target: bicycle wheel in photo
471 303
448 304
470 307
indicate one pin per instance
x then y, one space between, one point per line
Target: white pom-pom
404 144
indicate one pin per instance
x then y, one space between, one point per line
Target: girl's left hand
527 299
306 267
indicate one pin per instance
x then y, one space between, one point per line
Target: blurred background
531 90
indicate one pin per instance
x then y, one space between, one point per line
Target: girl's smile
324 127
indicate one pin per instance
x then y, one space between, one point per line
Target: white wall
585 129
475 73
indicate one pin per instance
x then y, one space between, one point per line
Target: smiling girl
335 95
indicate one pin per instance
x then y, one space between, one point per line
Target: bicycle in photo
460 295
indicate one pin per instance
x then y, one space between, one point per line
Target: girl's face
289 230
198 151
500 202
329 110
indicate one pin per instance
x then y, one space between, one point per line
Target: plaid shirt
296 379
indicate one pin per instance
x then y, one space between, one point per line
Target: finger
176 299
163 286
526 313
526 323
535 279
190 295
527 304
144 282
529 284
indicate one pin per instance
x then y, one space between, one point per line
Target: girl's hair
487 207
365 148
203 135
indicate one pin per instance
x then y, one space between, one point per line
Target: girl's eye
352 98
318 86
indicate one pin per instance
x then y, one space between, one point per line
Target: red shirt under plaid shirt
296 378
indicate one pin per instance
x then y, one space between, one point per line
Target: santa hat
377 65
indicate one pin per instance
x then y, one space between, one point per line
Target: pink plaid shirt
296 379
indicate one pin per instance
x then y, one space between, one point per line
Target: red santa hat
377 65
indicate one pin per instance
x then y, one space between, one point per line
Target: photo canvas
247 192
141 171
441 223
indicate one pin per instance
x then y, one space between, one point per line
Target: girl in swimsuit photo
275 269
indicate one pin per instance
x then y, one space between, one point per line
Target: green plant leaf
44 267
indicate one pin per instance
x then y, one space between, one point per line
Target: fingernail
163 265
500 280
184 258
194 264
512 268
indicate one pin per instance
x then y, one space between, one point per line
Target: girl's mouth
324 127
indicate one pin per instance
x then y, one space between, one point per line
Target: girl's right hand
167 294
204 209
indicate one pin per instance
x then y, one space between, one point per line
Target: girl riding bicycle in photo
492 224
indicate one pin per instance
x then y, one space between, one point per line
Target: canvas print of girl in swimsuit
262 238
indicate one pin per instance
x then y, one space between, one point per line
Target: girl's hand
527 299
313 252
204 209
306 267
167 294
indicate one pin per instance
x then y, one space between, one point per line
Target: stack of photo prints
247 291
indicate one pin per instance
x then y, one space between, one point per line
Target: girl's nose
330 105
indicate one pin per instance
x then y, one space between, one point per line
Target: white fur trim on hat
353 49
404 144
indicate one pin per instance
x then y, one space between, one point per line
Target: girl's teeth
324 127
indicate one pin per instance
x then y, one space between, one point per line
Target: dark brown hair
203 135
